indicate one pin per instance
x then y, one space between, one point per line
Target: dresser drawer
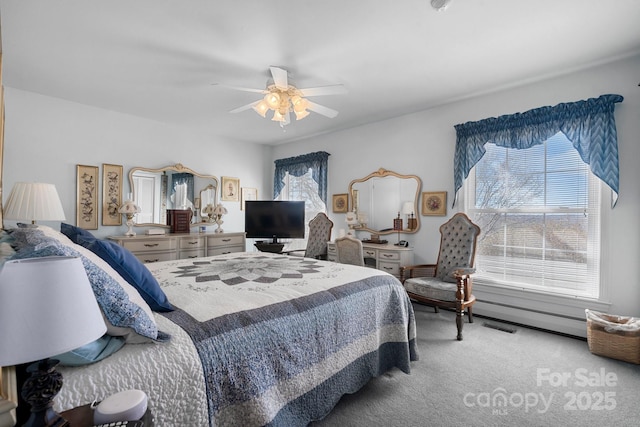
370 253
390 267
388 256
150 257
191 243
215 242
150 245
224 250
191 253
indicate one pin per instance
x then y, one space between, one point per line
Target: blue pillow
92 352
131 269
73 233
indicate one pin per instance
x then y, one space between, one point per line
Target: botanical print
111 194
87 197
248 194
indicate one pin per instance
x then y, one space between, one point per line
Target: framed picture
230 189
87 197
111 194
248 194
434 203
340 203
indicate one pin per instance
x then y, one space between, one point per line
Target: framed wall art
340 203
111 194
230 189
434 203
87 197
248 194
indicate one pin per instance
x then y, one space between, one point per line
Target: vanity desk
168 247
386 257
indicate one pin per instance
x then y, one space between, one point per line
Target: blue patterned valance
298 166
588 124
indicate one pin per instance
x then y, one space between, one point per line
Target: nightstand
82 416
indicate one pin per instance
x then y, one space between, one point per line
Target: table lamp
47 307
129 209
34 201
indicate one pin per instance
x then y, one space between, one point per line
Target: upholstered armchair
349 251
319 234
447 283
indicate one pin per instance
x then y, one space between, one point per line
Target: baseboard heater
555 322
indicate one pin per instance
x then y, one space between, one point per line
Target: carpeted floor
496 378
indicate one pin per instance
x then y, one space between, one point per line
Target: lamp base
130 231
39 390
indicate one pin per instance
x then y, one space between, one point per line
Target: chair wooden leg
459 323
470 314
435 307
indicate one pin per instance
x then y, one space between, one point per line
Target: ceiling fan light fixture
261 108
277 116
272 99
301 114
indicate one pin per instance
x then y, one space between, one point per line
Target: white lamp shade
129 207
47 307
34 201
408 208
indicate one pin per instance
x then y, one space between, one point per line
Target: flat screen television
265 219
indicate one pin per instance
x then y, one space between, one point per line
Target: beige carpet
496 378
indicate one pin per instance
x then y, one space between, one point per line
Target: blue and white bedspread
282 338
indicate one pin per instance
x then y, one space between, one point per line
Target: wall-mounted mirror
380 196
170 187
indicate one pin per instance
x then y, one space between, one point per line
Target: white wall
423 144
45 138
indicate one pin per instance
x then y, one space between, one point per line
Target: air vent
502 328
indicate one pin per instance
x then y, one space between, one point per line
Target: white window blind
302 188
539 211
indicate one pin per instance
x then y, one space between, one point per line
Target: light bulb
272 99
261 108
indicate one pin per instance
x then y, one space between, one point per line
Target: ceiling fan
283 98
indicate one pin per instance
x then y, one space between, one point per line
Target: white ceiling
158 59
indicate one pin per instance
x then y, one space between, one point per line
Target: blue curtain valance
588 124
298 166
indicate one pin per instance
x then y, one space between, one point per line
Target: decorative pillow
92 352
131 269
74 233
6 248
127 314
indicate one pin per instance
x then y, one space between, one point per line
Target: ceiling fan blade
244 107
280 78
244 89
321 109
324 90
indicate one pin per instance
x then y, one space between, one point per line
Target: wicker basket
613 336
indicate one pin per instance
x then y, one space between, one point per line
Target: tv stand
273 246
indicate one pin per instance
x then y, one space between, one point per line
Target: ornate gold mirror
170 187
379 197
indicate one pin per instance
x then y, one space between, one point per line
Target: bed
252 338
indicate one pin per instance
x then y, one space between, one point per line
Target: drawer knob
226 240
387 255
193 243
150 245
151 260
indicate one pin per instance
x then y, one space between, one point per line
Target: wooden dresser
166 247
385 257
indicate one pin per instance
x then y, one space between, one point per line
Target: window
302 178
539 211
306 189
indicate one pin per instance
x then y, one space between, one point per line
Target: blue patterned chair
448 282
349 251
